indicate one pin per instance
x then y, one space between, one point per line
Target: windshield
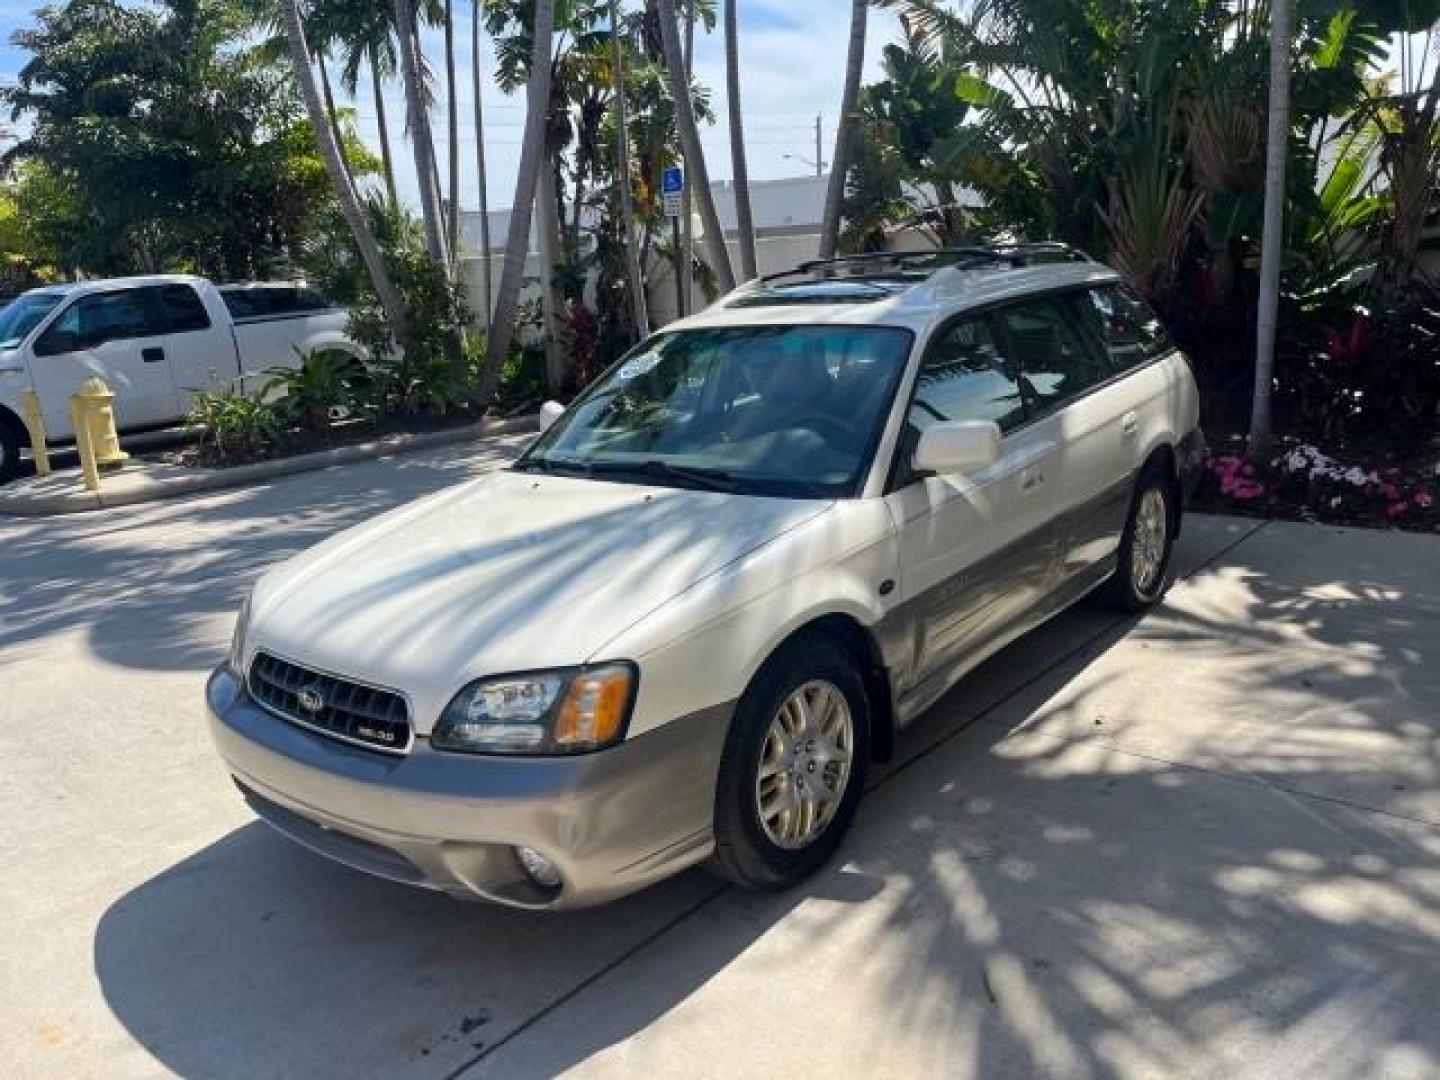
21 315
792 411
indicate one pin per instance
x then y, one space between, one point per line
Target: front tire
793 766
1142 571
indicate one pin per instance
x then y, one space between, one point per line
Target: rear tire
1142 571
793 766
11 439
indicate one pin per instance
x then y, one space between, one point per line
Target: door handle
152 355
1031 478
1129 424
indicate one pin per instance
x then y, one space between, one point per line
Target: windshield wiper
657 469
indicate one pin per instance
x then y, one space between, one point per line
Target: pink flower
1424 500
1390 491
1397 509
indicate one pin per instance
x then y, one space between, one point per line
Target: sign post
672 187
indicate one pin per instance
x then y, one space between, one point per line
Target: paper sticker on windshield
638 365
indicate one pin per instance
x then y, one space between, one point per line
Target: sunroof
822 292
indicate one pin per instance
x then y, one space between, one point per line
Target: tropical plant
234 423
698 178
740 169
537 99
840 157
317 391
365 242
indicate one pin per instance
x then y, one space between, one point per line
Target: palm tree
532 153
844 131
743 220
452 221
387 157
1277 148
633 276
697 179
480 157
420 137
365 241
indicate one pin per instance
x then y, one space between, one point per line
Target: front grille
347 710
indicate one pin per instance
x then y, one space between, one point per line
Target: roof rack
920 264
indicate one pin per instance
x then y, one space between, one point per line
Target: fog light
542 871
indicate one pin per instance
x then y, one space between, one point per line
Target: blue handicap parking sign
673 180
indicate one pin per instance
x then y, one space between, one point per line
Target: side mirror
957 446
549 413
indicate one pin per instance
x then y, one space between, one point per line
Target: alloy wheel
805 765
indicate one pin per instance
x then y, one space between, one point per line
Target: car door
1114 405
1061 373
118 336
201 355
975 553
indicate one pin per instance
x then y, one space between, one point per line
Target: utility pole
819 152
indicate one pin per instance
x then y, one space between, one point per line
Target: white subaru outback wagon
679 627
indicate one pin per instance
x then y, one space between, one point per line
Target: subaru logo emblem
310 699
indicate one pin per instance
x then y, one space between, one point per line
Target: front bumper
612 821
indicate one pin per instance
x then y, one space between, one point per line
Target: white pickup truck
155 340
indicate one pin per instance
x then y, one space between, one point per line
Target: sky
792 62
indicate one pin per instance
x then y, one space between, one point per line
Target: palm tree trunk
420 137
698 179
532 154
844 131
744 222
480 160
385 290
638 307
1272 239
548 208
386 157
331 117
452 221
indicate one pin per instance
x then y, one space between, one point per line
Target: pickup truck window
22 315
273 301
98 318
183 308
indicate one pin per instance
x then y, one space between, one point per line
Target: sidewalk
140 480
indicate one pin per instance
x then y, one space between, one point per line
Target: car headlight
569 711
237 639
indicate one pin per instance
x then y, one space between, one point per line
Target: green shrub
315 393
237 425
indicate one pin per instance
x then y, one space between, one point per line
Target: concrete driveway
1203 843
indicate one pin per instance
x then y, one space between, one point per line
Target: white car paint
155 377
524 571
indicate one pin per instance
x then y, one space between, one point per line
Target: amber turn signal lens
593 712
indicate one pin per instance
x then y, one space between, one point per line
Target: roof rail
923 263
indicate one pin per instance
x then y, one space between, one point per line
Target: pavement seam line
590 980
723 887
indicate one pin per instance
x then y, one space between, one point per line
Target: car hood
510 572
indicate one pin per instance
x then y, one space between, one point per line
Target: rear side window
183 309
94 320
273 301
965 377
1055 361
1124 324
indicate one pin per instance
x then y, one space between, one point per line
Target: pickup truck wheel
1142 572
793 766
10 440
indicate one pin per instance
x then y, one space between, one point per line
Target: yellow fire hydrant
93 413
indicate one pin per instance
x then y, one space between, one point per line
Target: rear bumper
612 822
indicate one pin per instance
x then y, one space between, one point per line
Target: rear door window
1055 361
183 309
